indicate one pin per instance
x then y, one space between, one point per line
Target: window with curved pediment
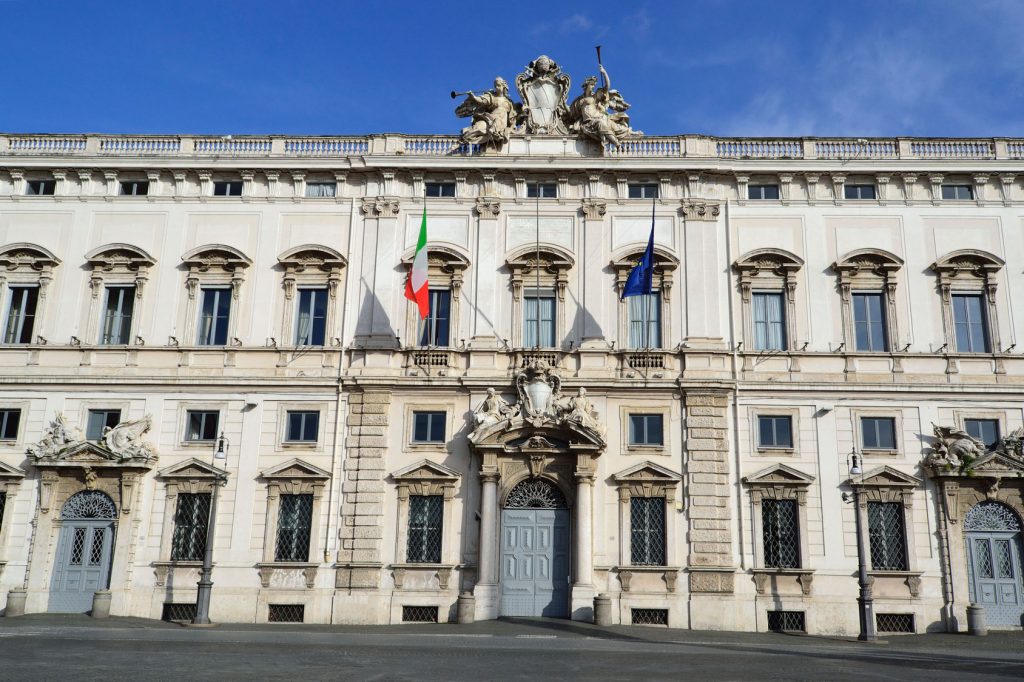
967 286
312 275
446 268
26 271
867 286
767 282
645 321
539 281
119 273
214 281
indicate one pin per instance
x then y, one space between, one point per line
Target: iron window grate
188 543
294 524
176 612
647 531
425 527
650 616
781 543
419 614
886 536
895 622
286 613
786 621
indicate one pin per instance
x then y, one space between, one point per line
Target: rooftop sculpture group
598 113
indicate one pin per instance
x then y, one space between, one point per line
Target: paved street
46 647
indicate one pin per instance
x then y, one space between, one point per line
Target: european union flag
641 278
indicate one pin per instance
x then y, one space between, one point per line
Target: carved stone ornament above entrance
64 443
955 454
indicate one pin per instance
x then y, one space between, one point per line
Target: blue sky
860 67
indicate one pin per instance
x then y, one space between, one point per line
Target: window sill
764 450
669 574
804 577
163 568
646 450
878 452
267 570
443 572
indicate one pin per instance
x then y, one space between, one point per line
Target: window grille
419 614
991 516
781 541
886 535
650 616
535 493
294 521
895 622
869 322
177 612
9 421
191 519
786 621
769 321
89 504
21 314
286 613
425 529
647 531
311 317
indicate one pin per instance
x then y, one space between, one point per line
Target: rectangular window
645 320
781 536
428 427
759 192
538 319
647 531
542 190
227 188
985 430
21 314
99 421
38 188
201 425
646 429
869 322
117 315
434 330
9 421
643 191
294 524
311 317
214 316
774 431
859 191
957 192
191 519
426 519
134 188
878 433
440 189
303 426
970 323
887 536
321 190
769 321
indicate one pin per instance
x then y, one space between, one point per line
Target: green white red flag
416 287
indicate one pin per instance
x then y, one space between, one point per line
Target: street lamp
205 583
866 601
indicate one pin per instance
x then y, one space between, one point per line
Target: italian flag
416 287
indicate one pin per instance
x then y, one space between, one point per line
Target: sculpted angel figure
493 409
954 447
57 435
590 112
579 409
125 439
493 114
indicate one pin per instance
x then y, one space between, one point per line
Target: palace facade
185 316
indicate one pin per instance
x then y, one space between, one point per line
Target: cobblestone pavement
52 647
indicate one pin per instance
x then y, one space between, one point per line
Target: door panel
81 565
535 551
994 562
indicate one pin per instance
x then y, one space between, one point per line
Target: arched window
89 504
26 271
967 285
991 516
645 321
538 295
768 291
215 276
535 493
312 274
867 285
119 273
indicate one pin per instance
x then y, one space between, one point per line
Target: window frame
199 527
761 187
903 540
970 272
5 412
863 421
986 342
332 184
213 266
429 326
633 443
433 419
125 333
288 440
779 482
445 189
956 187
89 411
984 420
783 323
294 477
209 340
282 529
47 187
546 189
311 266
134 185
768 270
652 503
23 289
432 524
665 265
186 435
644 190
426 478
311 335
446 269
647 480
553 274
790 447
859 188
228 186
538 327
881 325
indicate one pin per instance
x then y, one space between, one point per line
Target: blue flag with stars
641 278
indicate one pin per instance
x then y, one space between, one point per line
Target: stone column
583 589
485 304
593 285
488 527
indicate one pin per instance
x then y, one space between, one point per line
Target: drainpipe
734 358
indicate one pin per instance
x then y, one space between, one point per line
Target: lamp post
205 583
865 601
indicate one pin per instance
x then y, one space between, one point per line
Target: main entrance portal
82 563
994 562
535 551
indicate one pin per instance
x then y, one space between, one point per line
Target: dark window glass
769 321
869 322
440 189
542 190
117 316
303 426
887 536
232 188
214 316
191 519
9 421
21 314
647 531
774 431
320 190
294 525
970 323
434 329
40 187
645 320
859 191
781 537
3 503
311 317
428 427
985 430
646 429
426 519
201 425
643 191
958 192
878 433
99 421
758 192
538 319
134 188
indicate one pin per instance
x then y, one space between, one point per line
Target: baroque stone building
189 313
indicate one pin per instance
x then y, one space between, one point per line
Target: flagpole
650 293
536 265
